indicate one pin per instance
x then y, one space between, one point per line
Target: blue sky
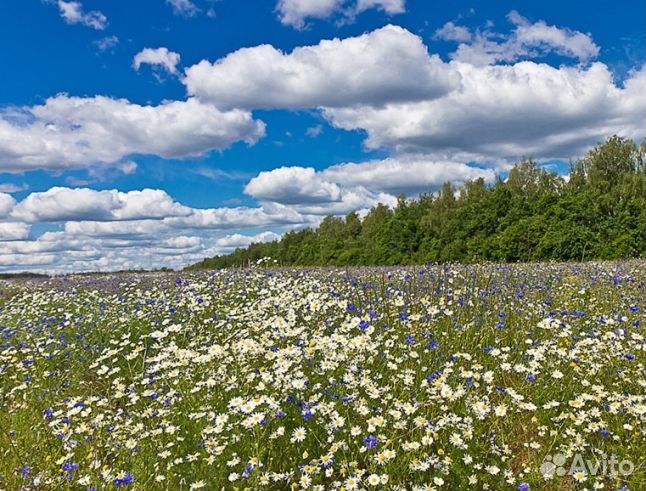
119 130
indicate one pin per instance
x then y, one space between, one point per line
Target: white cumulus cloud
386 65
60 204
357 185
311 193
292 185
296 12
507 112
409 174
234 241
453 32
527 40
71 132
10 187
7 204
106 43
73 13
13 231
185 8
162 57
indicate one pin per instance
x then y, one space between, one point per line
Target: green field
497 377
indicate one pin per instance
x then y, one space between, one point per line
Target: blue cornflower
523 486
403 316
409 339
364 324
70 466
247 470
370 441
25 470
530 377
124 481
433 344
351 307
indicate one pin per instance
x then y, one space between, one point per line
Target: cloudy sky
157 132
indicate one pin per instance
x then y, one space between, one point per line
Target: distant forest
532 215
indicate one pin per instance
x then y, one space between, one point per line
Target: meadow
493 377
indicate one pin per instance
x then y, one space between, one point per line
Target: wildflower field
490 377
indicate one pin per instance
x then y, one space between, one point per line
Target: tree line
597 212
